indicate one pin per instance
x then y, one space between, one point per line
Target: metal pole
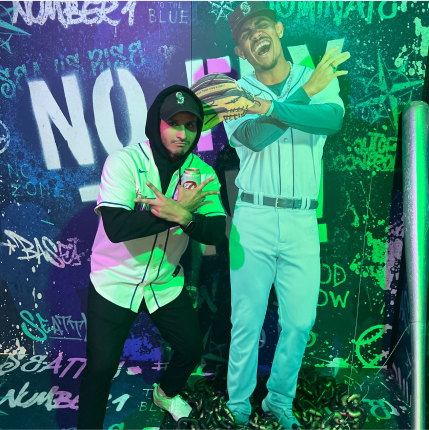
415 164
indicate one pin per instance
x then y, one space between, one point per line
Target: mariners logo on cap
245 7
180 98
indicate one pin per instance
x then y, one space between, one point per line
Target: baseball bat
415 164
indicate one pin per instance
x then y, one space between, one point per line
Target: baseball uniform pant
107 330
280 246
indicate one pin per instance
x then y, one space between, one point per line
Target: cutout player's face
178 134
259 42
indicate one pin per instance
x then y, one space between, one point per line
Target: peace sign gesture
325 71
166 208
192 199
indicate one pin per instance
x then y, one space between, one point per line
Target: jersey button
285 139
160 245
153 267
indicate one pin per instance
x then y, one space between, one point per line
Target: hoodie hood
161 156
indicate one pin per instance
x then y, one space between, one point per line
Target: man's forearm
321 119
297 113
121 225
258 133
208 230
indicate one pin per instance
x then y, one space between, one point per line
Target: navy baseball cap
246 10
176 102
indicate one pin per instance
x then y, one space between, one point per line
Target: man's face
178 133
259 42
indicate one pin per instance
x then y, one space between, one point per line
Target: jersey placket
161 241
285 157
286 165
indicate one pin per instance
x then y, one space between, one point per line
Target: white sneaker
177 407
284 416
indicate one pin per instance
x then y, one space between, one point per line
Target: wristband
270 110
190 226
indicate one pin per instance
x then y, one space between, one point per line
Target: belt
279 202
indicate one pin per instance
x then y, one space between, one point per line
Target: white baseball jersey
129 271
291 166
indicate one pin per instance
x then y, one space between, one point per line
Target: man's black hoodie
121 225
165 166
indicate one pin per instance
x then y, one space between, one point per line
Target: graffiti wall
76 79
76 83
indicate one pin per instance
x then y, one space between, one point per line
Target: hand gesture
193 199
325 72
166 208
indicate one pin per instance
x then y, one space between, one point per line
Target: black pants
108 328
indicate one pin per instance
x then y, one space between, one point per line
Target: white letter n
46 110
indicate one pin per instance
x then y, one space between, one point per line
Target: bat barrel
415 163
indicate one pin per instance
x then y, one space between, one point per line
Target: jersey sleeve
330 94
117 188
215 208
231 126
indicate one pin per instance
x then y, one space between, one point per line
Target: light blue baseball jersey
291 165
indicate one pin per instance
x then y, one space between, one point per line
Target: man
135 257
274 237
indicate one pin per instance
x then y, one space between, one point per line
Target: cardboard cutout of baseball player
274 237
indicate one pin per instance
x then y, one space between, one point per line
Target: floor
38 392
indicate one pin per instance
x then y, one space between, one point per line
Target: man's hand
325 72
166 208
193 199
260 107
